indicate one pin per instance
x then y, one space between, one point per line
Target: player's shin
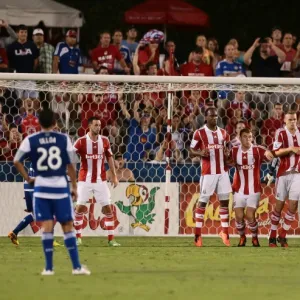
70 243
47 241
109 226
78 223
199 217
275 219
289 218
224 216
23 224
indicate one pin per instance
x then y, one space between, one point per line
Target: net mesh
134 118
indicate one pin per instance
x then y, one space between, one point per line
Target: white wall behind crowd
31 12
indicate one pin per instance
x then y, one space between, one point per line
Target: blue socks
47 240
70 243
23 224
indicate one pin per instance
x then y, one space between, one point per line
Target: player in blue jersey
28 196
51 155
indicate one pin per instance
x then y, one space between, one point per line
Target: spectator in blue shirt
67 58
131 43
23 54
117 40
142 137
229 67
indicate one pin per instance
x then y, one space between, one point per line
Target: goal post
149 121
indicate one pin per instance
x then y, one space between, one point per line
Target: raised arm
249 53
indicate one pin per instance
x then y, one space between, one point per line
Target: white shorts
241 200
99 190
288 187
209 184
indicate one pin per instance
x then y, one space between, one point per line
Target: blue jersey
225 68
27 186
125 52
69 58
50 154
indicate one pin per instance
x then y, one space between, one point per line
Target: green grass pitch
152 268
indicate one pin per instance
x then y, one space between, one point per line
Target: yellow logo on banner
213 215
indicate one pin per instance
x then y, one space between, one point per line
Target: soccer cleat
14 238
47 272
242 242
255 242
282 242
82 271
272 242
113 243
198 241
225 238
78 241
56 244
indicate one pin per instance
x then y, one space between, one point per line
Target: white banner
139 209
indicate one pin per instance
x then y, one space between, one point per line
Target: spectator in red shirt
106 54
197 67
9 148
208 56
103 106
276 35
171 64
236 118
239 103
145 55
290 52
30 123
271 125
3 123
3 59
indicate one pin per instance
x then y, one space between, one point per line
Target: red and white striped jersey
246 178
215 142
92 156
284 139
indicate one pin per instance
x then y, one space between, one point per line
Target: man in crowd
130 42
106 54
46 51
263 64
290 52
124 50
123 174
23 54
67 57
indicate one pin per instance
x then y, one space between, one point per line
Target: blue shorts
28 200
47 209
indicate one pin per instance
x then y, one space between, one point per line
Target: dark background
243 20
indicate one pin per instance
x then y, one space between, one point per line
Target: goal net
149 121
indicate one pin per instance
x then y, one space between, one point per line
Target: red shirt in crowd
106 56
269 128
9 155
3 56
105 110
29 125
246 112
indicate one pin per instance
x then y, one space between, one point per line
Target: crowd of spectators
136 124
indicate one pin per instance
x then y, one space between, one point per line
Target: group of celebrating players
212 144
53 157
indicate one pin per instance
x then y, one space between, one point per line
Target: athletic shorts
47 209
100 191
288 187
219 184
241 200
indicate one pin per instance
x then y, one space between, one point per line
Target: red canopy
175 12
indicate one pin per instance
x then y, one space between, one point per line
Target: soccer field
153 268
